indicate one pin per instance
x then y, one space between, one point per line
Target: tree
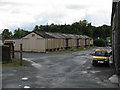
83 27
6 34
36 28
18 33
102 31
99 42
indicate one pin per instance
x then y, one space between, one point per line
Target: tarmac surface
58 70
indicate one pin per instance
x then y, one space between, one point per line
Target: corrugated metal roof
81 36
43 34
72 36
55 35
66 36
78 36
61 35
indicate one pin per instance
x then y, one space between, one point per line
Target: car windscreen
101 54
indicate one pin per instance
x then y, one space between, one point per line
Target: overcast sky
28 13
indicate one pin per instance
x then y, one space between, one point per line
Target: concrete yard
58 70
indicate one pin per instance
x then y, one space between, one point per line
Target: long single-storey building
38 41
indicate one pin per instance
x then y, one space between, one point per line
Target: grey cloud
10 5
15 11
5 2
54 16
75 7
41 19
44 20
98 19
26 26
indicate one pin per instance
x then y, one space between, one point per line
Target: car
100 56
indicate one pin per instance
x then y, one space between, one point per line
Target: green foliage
36 27
102 31
80 28
6 34
18 33
99 42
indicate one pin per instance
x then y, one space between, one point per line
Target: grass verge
16 63
70 50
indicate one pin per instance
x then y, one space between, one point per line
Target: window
101 54
33 35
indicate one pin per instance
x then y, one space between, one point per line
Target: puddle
88 67
24 78
94 72
26 87
84 72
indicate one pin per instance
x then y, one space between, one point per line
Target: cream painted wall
17 44
31 42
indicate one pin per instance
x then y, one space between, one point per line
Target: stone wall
116 37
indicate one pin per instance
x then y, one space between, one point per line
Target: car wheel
94 64
107 64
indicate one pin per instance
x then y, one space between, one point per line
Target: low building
38 41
